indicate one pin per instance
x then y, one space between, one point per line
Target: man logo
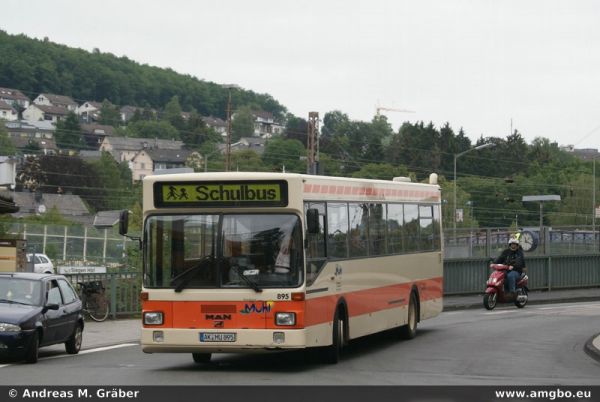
218 317
219 324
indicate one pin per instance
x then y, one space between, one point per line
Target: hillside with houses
90 126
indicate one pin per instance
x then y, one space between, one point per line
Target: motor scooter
495 292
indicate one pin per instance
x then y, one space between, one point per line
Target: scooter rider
514 258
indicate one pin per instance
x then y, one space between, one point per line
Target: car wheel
31 356
73 345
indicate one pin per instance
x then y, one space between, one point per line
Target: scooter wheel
489 300
521 304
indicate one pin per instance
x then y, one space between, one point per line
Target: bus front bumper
170 340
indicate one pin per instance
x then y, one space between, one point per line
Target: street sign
597 212
82 270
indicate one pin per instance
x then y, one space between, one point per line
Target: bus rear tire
334 351
201 357
409 331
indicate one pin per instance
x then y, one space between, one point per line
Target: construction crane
378 109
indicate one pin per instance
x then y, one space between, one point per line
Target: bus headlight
285 319
153 318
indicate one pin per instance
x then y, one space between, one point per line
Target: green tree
115 179
247 160
7 147
381 171
242 124
153 129
173 113
109 114
280 153
68 133
296 128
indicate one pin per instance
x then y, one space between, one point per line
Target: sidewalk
112 332
537 297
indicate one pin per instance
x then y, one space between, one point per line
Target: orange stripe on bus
321 309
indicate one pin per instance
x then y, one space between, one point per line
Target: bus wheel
409 330
201 357
333 352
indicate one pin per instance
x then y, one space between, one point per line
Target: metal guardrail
122 289
468 275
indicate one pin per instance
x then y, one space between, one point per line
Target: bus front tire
409 331
201 357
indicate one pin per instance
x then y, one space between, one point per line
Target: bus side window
358 229
315 245
337 230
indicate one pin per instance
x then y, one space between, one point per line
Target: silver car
41 263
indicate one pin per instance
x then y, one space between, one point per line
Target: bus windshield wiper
248 281
186 276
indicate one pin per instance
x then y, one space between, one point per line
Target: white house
14 96
265 125
124 148
37 112
219 125
23 133
8 112
56 100
146 161
89 111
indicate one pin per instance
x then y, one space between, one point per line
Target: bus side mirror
123 222
312 220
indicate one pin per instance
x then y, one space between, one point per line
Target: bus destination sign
222 194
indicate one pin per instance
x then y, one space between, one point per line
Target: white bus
240 262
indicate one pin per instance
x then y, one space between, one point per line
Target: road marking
83 352
499 312
86 351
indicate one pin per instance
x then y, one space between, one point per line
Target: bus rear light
153 318
158 336
299 296
278 337
144 296
287 319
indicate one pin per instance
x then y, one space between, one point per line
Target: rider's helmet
513 240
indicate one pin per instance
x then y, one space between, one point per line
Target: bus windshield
223 251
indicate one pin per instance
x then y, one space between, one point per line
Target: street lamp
456 156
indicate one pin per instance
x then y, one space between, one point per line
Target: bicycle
94 300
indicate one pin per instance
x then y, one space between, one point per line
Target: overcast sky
475 64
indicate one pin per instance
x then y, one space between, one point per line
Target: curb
471 305
591 349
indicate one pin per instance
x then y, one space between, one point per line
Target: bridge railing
469 275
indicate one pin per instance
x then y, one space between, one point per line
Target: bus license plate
217 337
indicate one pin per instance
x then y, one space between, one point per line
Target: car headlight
153 318
285 319
6 327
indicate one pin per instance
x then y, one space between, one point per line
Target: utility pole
312 144
229 87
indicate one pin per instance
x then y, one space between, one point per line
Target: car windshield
223 251
20 291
